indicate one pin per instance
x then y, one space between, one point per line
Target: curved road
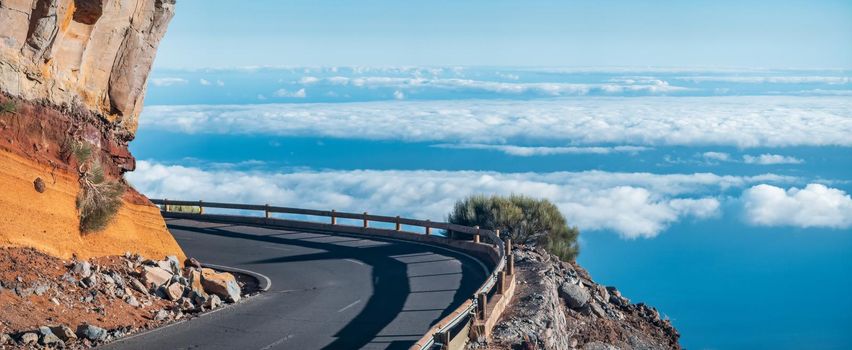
328 291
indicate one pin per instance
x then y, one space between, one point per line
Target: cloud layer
524 151
771 159
813 206
651 86
632 204
644 121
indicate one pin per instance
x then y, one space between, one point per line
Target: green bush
521 218
99 198
191 209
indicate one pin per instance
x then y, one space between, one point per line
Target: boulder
106 278
214 302
82 269
174 263
90 282
186 304
131 300
194 283
91 332
63 332
47 338
161 315
41 289
5 339
116 277
192 262
137 286
155 276
197 298
174 291
29 338
221 284
575 296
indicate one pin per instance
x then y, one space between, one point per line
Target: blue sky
708 178
718 33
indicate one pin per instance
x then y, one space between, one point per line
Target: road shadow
390 279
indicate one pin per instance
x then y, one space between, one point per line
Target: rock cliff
557 305
95 53
72 82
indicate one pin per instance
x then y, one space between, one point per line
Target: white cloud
763 159
813 206
399 95
168 81
524 151
834 80
205 82
292 94
309 80
632 204
647 121
718 156
771 159
654 86
220 83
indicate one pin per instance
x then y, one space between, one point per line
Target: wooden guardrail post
476 236
428 227
508 244
267 211
501 282
443 338
482 305
200 207
166 205
398 225
333 217
366 223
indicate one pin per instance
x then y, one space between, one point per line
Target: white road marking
354 261
350 305
277 342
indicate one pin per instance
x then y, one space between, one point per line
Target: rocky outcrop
82 303
73 72
92 53
558 306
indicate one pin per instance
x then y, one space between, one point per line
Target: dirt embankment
40 184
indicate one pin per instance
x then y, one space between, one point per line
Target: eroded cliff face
94 53
74 72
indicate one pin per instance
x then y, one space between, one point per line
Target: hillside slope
73 75
557 305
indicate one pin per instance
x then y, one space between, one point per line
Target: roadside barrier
473 320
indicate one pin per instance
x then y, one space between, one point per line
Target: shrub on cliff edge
523 219
99 198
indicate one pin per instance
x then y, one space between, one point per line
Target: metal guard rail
456 317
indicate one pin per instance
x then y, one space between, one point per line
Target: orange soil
48 221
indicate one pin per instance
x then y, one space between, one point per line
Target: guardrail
473 315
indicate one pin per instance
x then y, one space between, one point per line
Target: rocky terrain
557 305
46 302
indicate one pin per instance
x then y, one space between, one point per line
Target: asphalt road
328 291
